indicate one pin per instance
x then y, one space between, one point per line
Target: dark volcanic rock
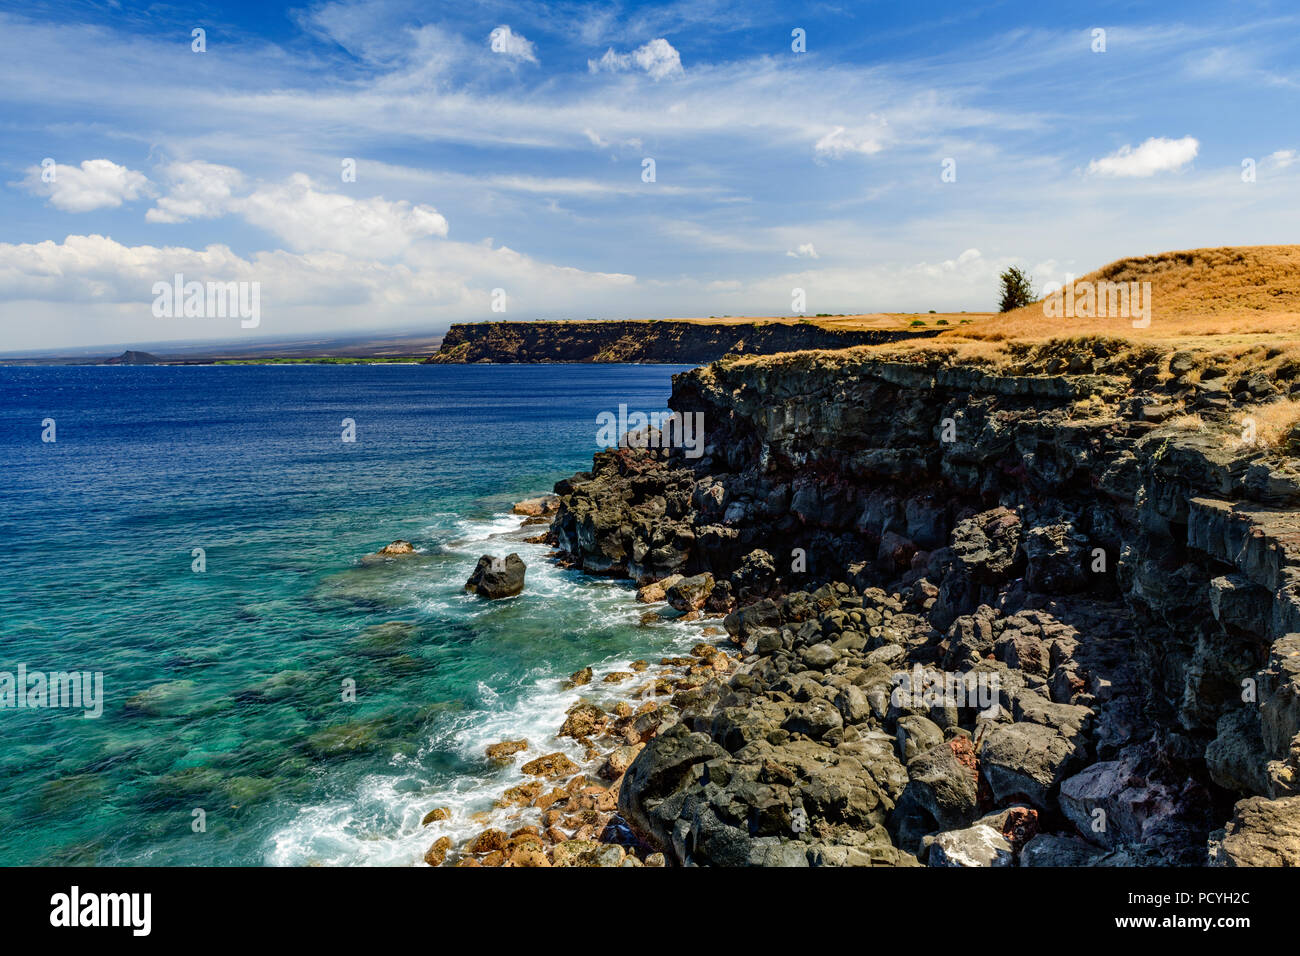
1103 612
497 578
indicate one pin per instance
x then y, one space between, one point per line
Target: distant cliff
664 341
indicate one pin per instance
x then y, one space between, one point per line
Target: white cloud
600 143
439 280
840 142
657 58
310 220
1283 158
804 250
198 190
506 42
96 184
1155 155
301 215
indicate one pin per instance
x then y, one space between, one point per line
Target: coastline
1028 554
558 805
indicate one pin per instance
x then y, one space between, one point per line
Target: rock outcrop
495 578
986 619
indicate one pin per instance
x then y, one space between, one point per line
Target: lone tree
1017 290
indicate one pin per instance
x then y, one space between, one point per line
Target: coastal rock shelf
986 618
664 341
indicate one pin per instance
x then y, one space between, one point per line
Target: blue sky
517 164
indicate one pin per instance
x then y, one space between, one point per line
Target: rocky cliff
987 617
663 341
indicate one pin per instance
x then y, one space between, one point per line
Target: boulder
1261 833
942 785
1053 849
690 594
1057 557
437 853
495 578
657 590
976 846
1027 762
435 815
537 507
503 751
655 776
551 765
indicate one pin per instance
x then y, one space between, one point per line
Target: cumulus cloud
1283 158
112 284
657 58
839 142
197 190
96 184
804 250
303 216
506 42
309 220
1155 155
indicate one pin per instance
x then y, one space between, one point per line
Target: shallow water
224 689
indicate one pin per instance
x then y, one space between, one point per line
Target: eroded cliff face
660 341
1124 587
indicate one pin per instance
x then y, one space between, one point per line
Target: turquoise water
225 689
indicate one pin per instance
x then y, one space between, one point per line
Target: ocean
228 734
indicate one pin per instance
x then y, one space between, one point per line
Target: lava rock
495 578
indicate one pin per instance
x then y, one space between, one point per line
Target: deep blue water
224 690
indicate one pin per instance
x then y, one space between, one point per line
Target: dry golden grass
1240 305
867 321
1271 423
1236 308
1233 293
1190 422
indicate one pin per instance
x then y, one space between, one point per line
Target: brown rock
580 852
531 855
487 841
617 677
578 678
616 763
552 818
549 799
522 795
1021 826
438 852
583 720
434 815
503 751
551 765
536 507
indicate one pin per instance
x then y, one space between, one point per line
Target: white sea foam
380 824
